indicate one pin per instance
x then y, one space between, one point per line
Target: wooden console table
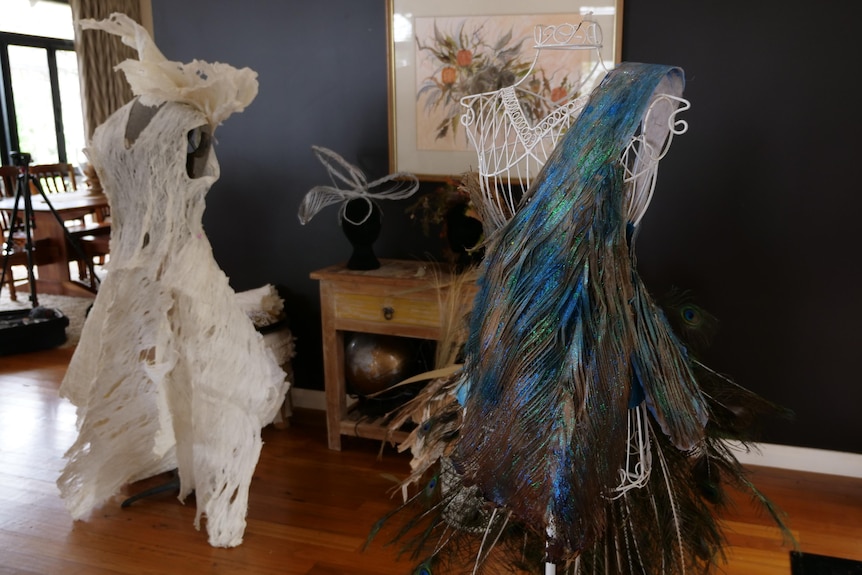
400 298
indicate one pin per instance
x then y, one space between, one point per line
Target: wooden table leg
53 272
333 369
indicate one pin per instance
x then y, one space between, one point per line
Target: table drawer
394 310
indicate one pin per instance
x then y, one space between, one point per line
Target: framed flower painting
443 52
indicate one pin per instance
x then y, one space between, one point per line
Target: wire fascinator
397 186
217 90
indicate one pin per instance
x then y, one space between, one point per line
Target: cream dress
169 372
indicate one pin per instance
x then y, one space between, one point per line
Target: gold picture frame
431 43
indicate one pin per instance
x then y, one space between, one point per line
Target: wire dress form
552 409
511 144
581 432
510 152
170 372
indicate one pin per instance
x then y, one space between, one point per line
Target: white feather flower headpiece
217 90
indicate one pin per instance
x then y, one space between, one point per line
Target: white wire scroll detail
510 149
586 35
636 469
641 158
397 186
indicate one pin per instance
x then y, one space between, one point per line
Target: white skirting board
308 398
803 459
762 454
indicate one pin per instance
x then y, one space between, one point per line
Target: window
40 98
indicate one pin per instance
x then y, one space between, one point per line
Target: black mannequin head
362 236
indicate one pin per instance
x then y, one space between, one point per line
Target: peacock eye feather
424 568
690 315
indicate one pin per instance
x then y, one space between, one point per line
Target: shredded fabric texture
170 372
263 305
522 457
216 89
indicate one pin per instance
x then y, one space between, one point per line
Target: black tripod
22 191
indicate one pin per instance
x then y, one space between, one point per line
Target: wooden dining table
54 276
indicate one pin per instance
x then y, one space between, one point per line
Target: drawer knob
388 312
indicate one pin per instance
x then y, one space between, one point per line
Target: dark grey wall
322 71
755 208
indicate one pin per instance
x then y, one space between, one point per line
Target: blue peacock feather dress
565 344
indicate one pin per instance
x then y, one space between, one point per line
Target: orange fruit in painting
464 58
559 93
448 75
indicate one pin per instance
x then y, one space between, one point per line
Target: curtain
103 89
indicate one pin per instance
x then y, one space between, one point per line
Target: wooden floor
310 508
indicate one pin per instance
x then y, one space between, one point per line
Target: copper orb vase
373 363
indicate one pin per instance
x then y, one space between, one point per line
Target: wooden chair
8 183
91 233
97 249
61 178
55 178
